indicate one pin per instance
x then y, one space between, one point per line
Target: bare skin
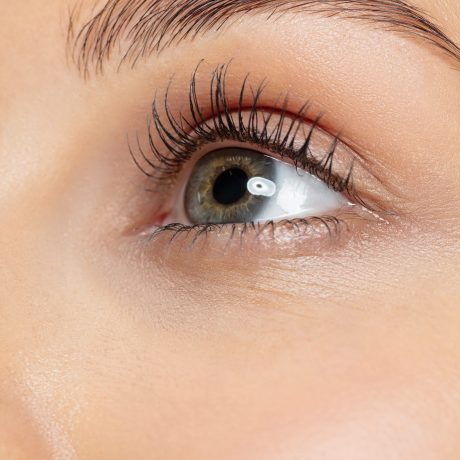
294 348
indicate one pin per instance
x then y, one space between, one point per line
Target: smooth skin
113 349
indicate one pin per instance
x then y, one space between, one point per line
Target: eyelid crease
142 27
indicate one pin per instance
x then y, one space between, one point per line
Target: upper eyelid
150 26
163 163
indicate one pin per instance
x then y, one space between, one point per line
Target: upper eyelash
183 135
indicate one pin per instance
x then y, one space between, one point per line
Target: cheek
352 386
21 437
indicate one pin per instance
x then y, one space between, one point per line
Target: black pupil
230 186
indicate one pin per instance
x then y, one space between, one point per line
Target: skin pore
116 346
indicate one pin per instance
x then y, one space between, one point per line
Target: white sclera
293 194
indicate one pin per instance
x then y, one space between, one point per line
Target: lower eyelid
308 236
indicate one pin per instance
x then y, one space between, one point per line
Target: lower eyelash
329 225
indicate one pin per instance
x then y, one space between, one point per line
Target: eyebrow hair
138 28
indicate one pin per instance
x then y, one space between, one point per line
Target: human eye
238 185
232 163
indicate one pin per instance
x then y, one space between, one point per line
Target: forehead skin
54 378
446 13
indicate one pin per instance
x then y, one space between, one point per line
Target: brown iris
217 189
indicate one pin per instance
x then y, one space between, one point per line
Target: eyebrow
139 28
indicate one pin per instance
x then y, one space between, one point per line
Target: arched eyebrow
139 28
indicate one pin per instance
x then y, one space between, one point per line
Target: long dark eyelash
179 137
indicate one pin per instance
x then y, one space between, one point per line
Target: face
230 230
